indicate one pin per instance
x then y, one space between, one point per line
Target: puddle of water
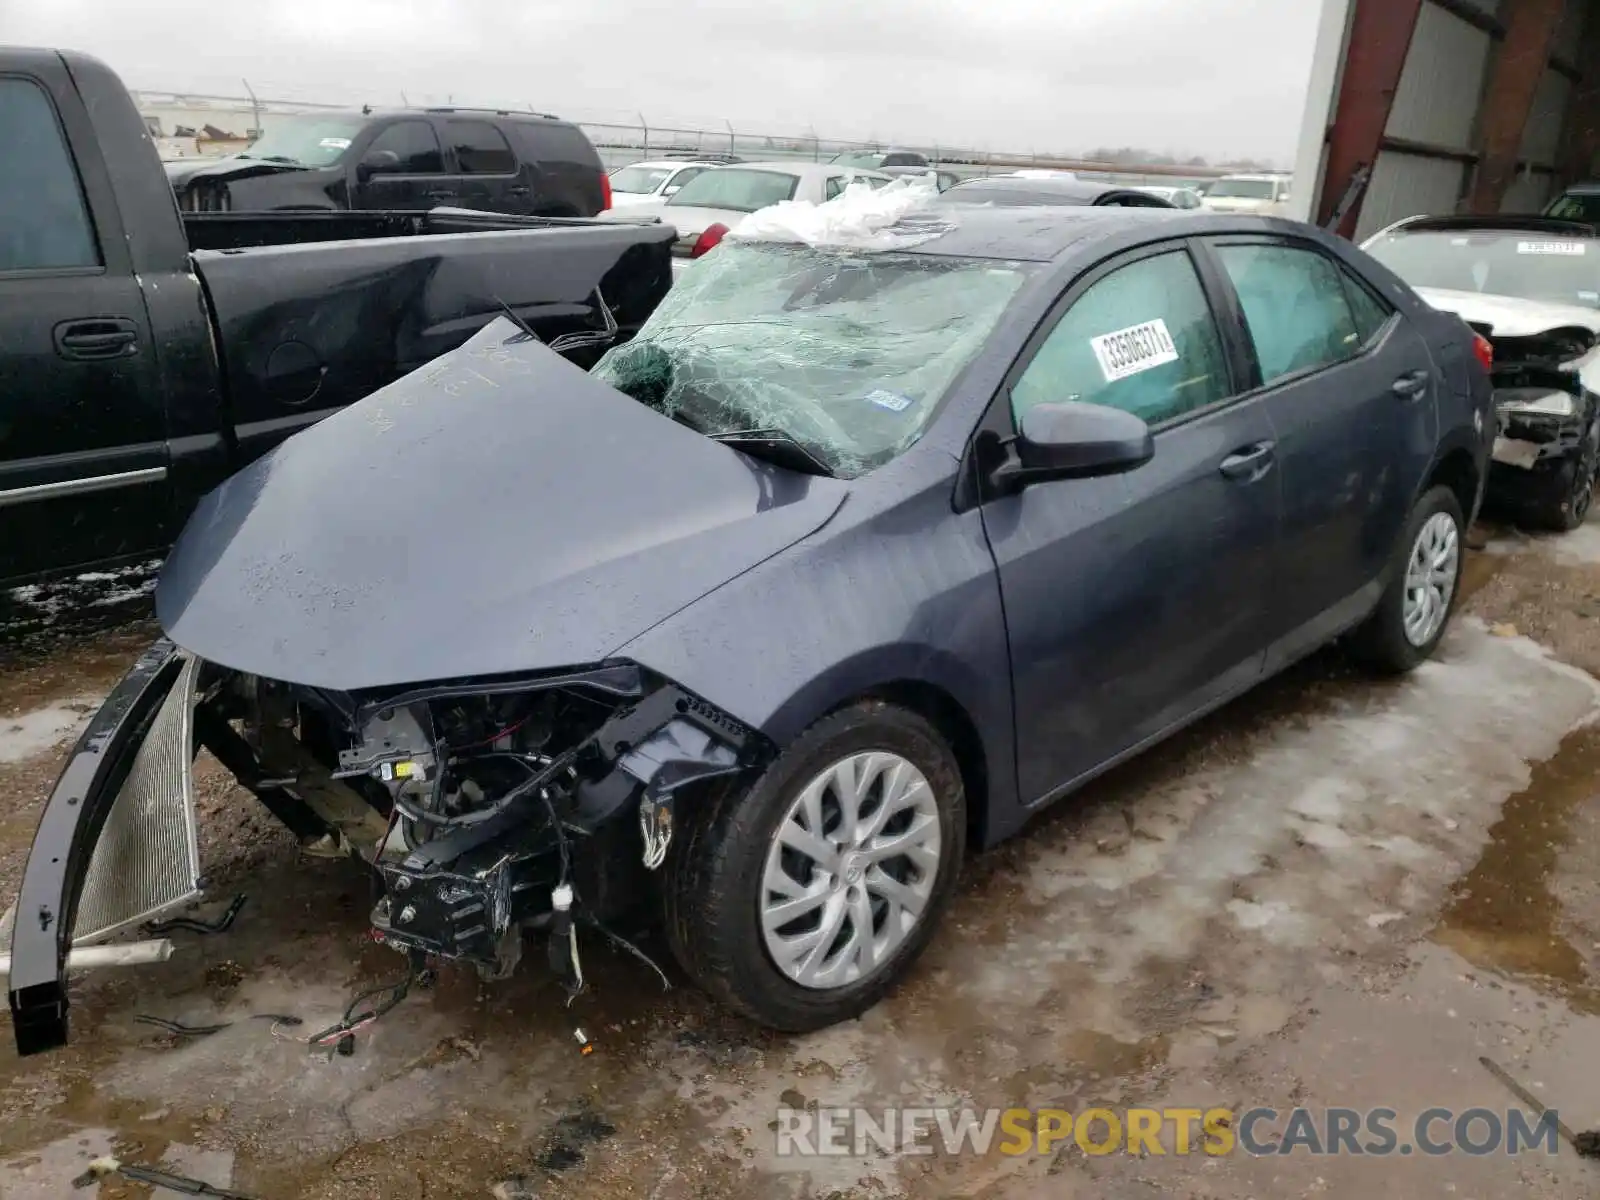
40 731
1503 915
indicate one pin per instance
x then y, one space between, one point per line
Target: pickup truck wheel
1572 486
801 899
1424 582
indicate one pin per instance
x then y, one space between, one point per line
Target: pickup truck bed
146 355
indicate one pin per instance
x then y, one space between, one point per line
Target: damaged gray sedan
851 559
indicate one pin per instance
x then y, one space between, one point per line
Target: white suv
1267 195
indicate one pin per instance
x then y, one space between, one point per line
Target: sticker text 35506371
1125 352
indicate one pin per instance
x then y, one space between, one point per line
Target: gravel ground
1332 892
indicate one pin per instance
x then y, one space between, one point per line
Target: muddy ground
1334 892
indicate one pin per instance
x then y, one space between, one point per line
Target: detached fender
58 862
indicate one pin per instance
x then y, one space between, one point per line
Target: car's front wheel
801 899
1424 581
1570 490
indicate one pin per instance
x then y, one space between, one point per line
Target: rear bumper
116 844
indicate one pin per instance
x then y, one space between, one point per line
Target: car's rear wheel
801 899
1424 582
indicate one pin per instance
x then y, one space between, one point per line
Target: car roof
375 113
802 169
1033 233
1054 190
1587 187
670 163
1498 222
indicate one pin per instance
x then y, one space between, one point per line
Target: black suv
526 164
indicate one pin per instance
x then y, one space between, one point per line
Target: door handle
441 194
1410 385
96 338
1249 463
521 190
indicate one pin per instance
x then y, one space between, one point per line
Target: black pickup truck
148 354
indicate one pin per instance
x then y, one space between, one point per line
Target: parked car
878 159
711 203
147 354
942 180
1265 195
494 160
911 546
1014 190
1178 197
658 179
1531 287
1580 202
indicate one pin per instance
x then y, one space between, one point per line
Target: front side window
737 189
415 148
848 355
1142 339
1295 305
480 148
44 223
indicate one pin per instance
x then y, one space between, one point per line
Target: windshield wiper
777 446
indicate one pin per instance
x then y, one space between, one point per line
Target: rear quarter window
553 142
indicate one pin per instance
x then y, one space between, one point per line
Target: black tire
1380 643
1571 487
712 886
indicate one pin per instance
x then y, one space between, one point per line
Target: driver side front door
1135 601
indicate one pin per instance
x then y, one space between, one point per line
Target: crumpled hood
498 510
1512 316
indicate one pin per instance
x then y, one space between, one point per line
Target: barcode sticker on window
1573 248
1137 348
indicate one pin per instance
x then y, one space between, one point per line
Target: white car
714 201
1263 195
1178 197
641 182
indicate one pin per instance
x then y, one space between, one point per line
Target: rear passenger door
1351 391
484 168
403 168
1134 601
83 450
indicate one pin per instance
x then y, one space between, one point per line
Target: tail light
605 191
708 240
1483 351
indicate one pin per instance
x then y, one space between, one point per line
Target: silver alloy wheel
1431 575
850 870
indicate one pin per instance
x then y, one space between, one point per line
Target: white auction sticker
1138 348
1573 248
336 143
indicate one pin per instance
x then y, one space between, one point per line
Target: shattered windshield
1557 268
736 189
305 141
847 354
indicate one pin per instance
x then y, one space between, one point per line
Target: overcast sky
1214 77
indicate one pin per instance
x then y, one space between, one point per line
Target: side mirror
376 162
1074 441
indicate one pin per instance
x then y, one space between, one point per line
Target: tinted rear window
549 141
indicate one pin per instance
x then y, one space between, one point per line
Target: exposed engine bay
486 809
1547 416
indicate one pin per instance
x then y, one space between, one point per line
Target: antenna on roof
366 110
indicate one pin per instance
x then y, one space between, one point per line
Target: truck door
402 167
83 450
